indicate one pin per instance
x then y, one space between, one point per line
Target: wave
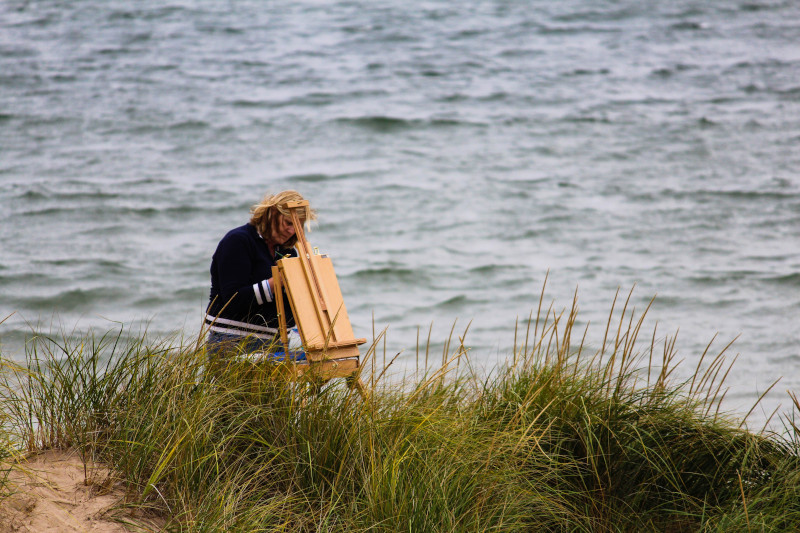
23 279
115 51
318 177
224 30
138 37
791 280
786 361
732 194
573 30
689 25
50 121
71 300
68 196
312 99
386 124
136 181
668 72
397 37
311 178
770 63
32 195
245 104
769 258
497 96
468 33
492 269
451 304
378 274
107 265
705 123
18 52
527 234
785 93
157 302
587 72
592 15
459 301
520 53
189 125
751 7
37 21
792 93
379 123
578 119
41 272
155 127
145 14
144 212
50 211
723 278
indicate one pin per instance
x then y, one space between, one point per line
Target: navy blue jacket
241 302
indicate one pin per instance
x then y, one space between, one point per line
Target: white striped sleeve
263 292
257 290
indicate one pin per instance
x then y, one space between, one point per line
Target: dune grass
561 438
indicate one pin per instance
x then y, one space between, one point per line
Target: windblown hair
265 215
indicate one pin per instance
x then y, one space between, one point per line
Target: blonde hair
264 215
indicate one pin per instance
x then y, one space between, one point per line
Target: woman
242 310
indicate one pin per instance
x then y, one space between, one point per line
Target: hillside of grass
561 438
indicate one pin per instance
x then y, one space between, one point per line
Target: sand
52 495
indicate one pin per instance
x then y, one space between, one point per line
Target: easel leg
277 285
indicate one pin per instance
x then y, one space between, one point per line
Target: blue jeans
225 342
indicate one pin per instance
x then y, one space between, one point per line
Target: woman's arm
234 263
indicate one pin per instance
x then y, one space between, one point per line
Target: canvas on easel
319 312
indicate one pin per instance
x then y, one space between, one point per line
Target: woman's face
284 229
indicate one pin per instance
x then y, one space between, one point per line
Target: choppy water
455 152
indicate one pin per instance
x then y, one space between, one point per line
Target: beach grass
560 438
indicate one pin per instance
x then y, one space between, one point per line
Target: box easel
319 312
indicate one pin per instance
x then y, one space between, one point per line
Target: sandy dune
51 496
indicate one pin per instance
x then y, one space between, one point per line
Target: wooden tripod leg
277 286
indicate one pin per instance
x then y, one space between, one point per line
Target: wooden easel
319 312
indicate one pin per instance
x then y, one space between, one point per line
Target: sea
458 155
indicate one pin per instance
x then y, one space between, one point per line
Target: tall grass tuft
562 438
